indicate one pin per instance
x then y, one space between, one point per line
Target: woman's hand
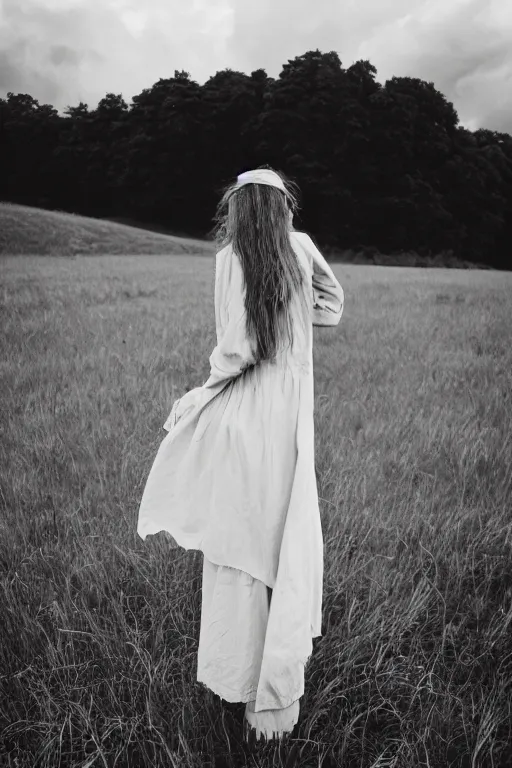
183 405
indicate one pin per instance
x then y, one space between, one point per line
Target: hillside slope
33 231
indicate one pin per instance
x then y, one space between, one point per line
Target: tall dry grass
99 630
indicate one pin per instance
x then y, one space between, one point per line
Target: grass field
413 424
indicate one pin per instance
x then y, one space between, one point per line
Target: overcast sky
66 51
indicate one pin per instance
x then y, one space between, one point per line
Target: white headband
261 176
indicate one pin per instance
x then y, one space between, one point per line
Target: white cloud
135 21
117 46
64 51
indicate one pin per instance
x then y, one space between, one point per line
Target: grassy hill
30 231
34 231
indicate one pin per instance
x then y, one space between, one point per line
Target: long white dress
235 478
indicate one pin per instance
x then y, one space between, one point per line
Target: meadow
413 436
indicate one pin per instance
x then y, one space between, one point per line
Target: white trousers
234 616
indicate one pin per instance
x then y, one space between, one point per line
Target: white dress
235 478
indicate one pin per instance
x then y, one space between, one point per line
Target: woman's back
235 476
319 302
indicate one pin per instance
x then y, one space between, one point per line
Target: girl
235 476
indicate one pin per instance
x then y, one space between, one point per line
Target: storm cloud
66 51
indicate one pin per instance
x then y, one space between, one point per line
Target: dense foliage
384 166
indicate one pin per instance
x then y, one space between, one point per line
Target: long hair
255 219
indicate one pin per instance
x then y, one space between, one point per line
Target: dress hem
230 696
245 698
151 530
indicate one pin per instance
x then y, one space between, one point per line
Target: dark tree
383 166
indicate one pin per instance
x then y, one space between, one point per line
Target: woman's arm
233 352
328 296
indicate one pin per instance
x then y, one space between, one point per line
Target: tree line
381 166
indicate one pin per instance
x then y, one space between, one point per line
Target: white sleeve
233 353
328 296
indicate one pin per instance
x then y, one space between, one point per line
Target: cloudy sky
66 51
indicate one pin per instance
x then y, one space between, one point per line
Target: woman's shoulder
227 264
222 256
302 237
222 251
